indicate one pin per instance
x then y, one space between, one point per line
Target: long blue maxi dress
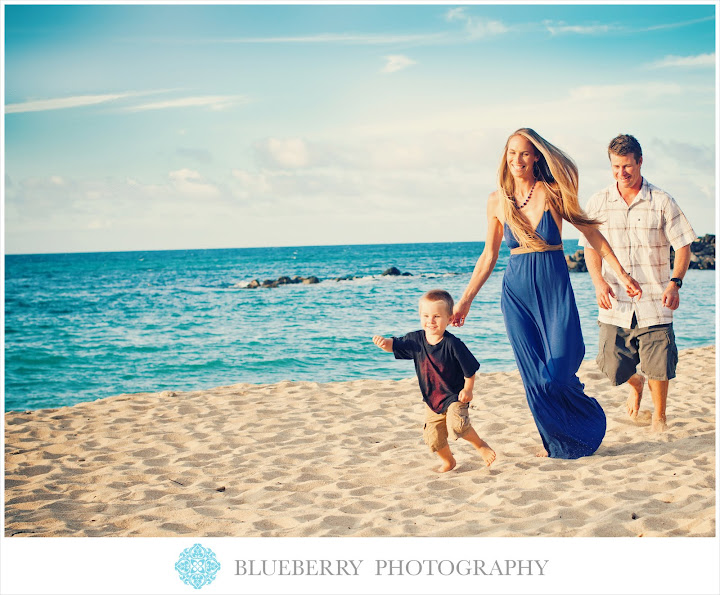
543 325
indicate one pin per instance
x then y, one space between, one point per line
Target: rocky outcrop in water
702 253
702 256
270 283
281 281
576 262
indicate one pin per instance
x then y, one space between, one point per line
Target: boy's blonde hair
440 295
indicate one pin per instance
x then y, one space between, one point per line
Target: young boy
446 374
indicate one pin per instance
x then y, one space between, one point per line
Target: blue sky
131 127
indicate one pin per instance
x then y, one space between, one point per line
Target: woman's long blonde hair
557 173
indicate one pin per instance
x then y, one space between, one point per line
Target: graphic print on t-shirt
436 388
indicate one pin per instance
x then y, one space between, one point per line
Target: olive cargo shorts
455 420
620 350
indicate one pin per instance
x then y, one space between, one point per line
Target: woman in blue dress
537 190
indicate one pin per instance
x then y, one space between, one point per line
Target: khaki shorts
455 421
620 350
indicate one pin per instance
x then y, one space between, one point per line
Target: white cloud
701 60
397 62
251 185
675 25
476 28
64 102
215 102
562 27
684 155
187 181
347 38
635 91
456 14
288 153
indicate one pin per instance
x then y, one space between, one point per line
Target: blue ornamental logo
197 566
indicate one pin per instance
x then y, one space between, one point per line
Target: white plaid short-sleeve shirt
640 235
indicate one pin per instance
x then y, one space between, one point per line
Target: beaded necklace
528 196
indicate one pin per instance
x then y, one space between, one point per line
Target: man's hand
603 293
671 296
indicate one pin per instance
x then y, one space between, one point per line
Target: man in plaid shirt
640 222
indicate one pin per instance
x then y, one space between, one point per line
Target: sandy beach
347 459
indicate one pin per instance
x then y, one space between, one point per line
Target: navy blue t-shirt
441 369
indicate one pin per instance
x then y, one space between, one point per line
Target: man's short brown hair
440 295
625 144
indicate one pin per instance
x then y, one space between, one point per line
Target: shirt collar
643 194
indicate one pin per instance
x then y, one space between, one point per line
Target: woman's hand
600 245
631 286
460 312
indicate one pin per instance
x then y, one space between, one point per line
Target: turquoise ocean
80 327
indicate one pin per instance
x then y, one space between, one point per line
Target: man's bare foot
636 383
446 466
543 453
659 425
488 455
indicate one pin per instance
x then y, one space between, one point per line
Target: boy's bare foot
659 425
448 460
488 455
636 383
543 454
446 466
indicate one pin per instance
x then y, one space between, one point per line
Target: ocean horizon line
304 246
572 236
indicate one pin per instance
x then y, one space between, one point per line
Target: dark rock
702 253
392 271
284 280
576 262
311 280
